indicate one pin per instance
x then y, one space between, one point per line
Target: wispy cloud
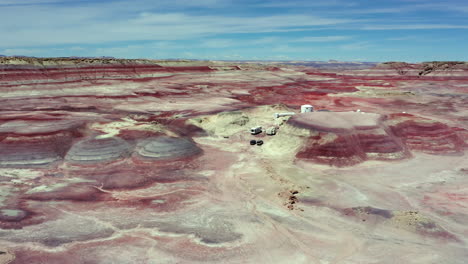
39 51
443 6
64 25
322 39
224 43
159 3
405 38
414 27
265 40
219 28
357 46
217 43
28 2
29 52
305 3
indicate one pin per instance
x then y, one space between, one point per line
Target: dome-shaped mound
27 154
168 148
98 150
33 151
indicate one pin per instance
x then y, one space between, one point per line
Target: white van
271 131
256 130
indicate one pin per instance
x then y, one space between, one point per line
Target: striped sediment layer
93 150
162 148
349 138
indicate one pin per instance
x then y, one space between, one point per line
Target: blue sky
353 30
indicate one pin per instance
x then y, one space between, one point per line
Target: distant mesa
86 57
20 56
334 65
439 68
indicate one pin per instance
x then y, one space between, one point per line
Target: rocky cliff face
435 68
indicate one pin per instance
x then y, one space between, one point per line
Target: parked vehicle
259 142
256 130
271 131
253 142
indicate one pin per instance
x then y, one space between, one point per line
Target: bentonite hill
142 161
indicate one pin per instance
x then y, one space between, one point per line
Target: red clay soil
101 162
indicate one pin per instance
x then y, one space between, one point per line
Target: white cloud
322 39
357 46
77 48
265 40
217 43
223 43
414 27
405 38
136 3
29 52
167 28
287 49
77 25
306 3
441 6
28 2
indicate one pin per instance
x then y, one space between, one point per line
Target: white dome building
306 108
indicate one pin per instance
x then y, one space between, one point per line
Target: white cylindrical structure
277 115
306 108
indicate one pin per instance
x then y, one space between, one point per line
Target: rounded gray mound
27 154
98 150
167 148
